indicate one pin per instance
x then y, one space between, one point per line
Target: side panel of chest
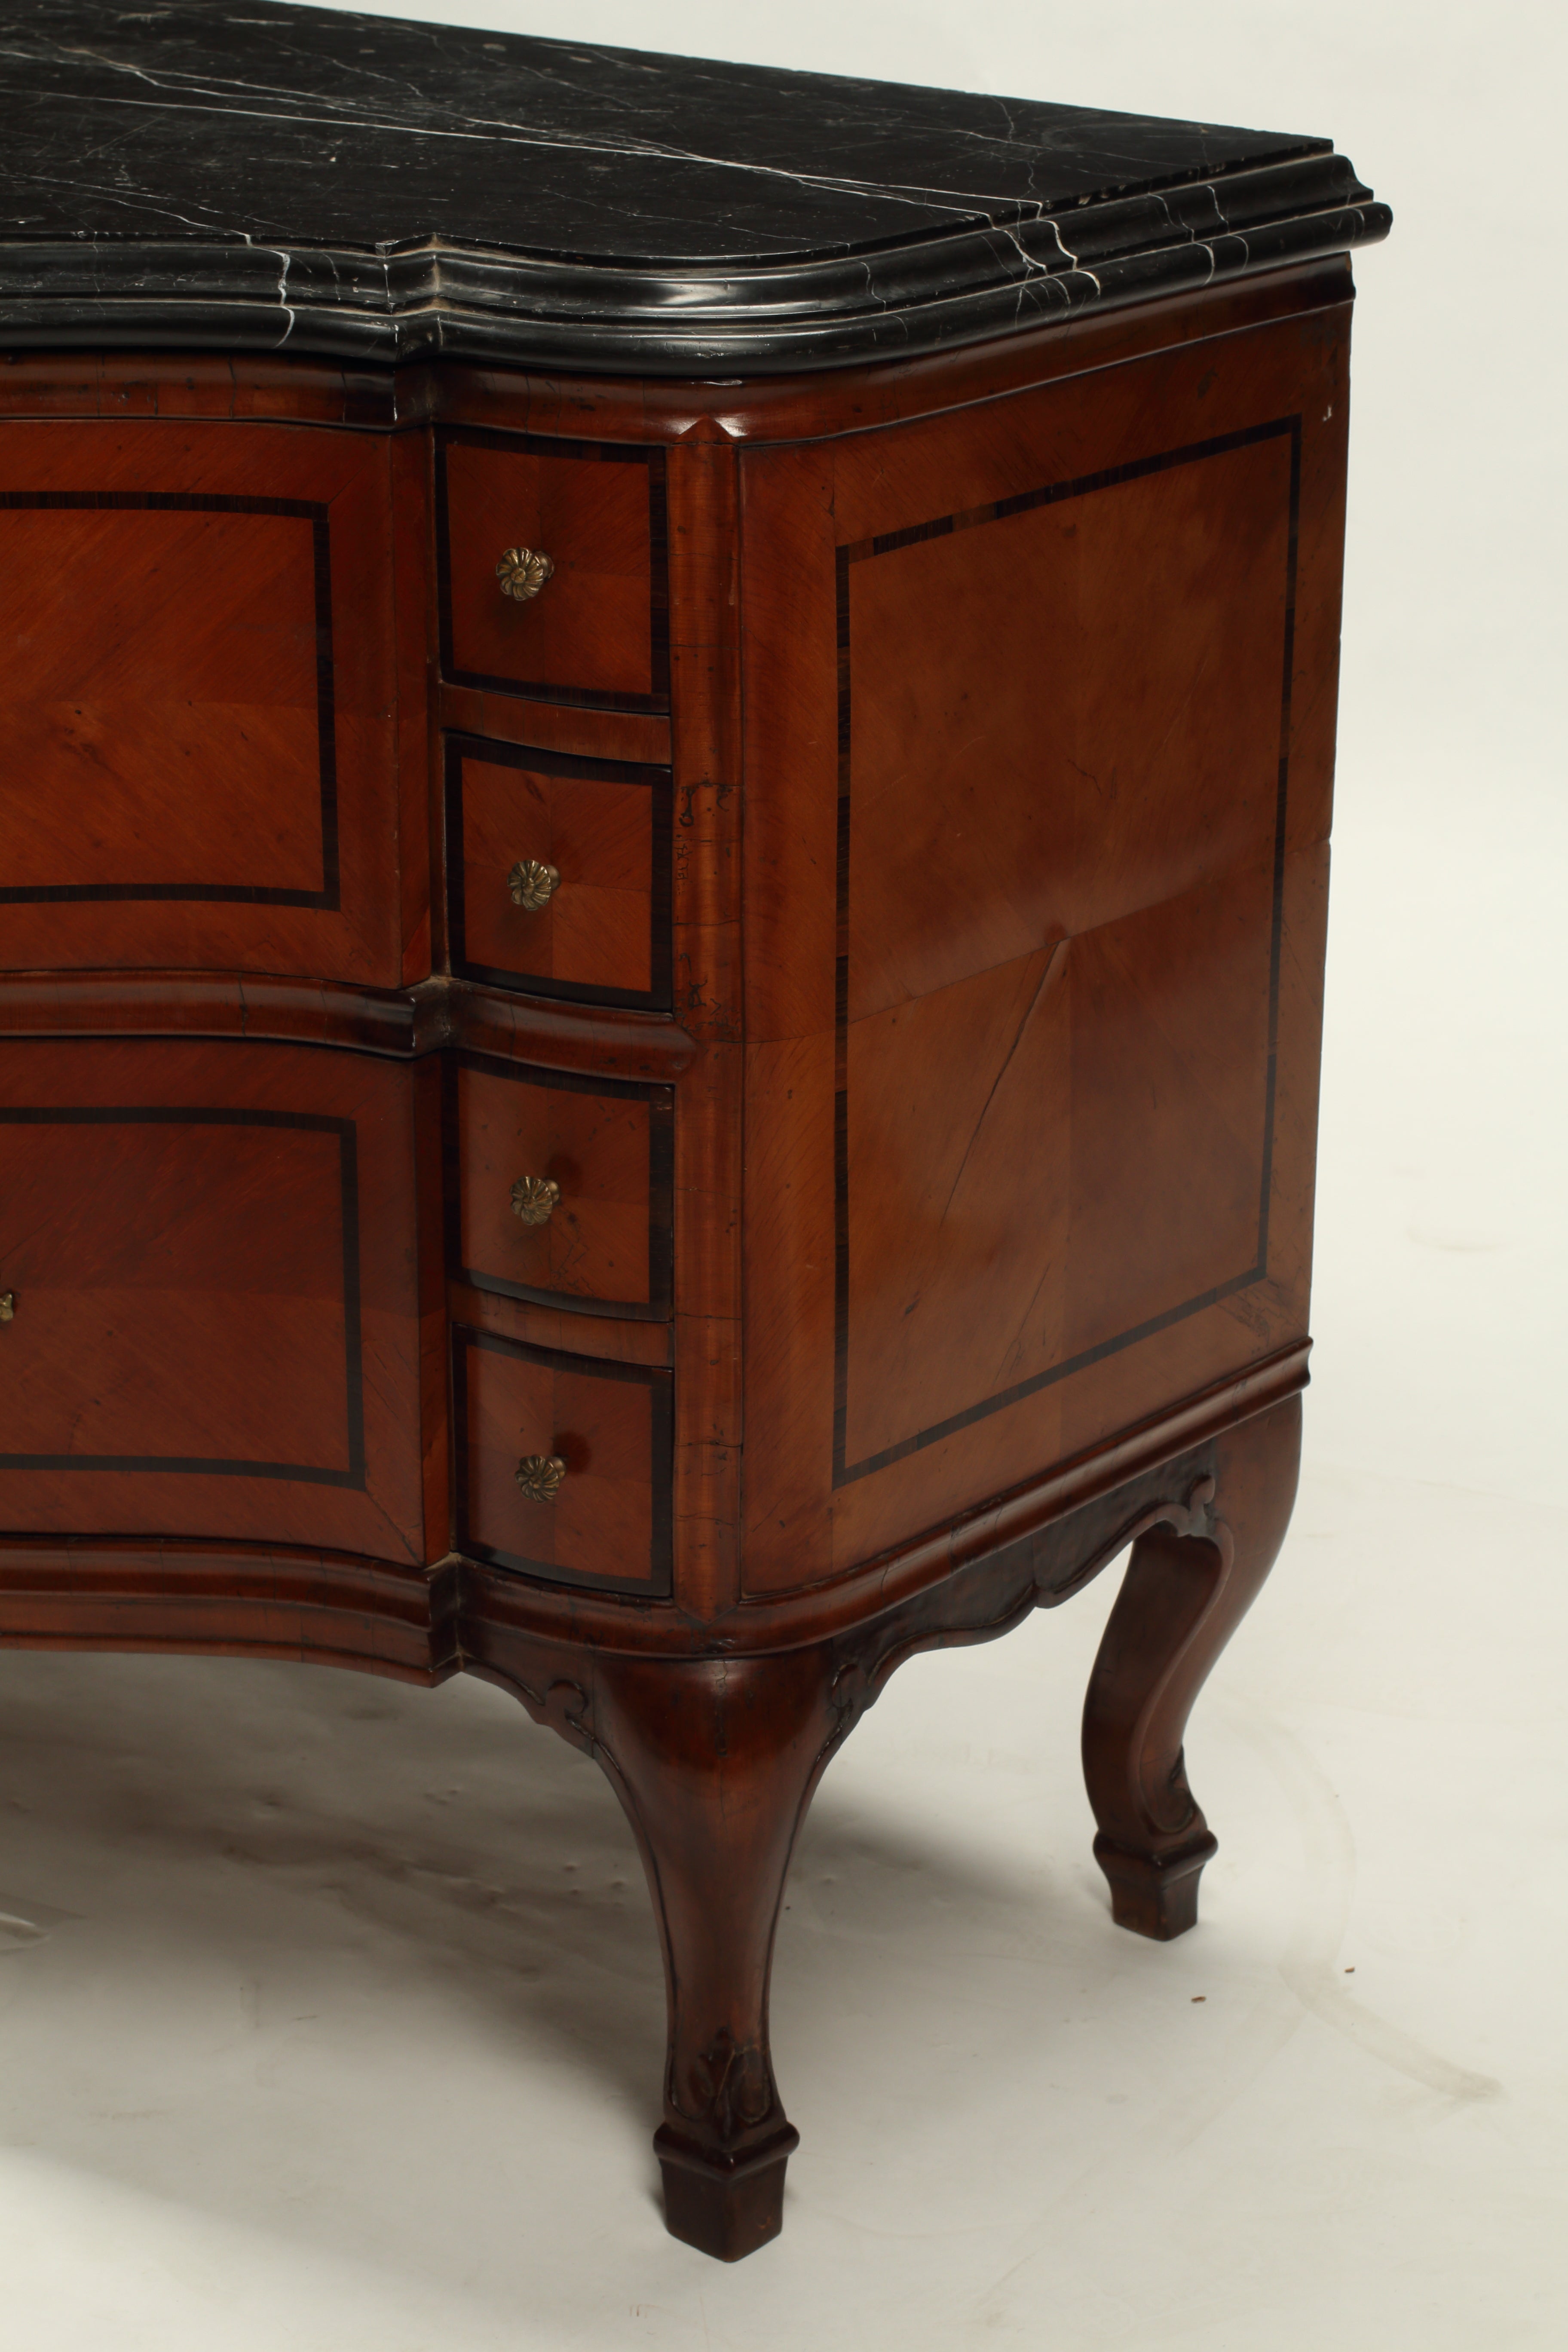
1039 707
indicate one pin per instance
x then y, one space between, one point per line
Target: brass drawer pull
523 573
535 1198
532 885
539 1476
8 1306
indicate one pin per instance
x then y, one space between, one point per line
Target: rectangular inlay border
846 1472
486 748
599 453
326 899
203 1465
657 1583
660 1101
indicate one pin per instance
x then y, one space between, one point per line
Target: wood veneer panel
605 1247
217 1327
603 935
197 690
1016 679
419 812
595 633
1060 936
608 1526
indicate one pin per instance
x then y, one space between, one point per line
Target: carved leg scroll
1182 1599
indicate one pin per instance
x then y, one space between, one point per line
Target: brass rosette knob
539 1476
535 1199
533 884
7 1306
523 573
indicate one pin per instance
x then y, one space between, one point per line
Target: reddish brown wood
434 1321
705 678
582 732
230 1599
716 1760
966 952
1023 681
1185 1592
413 614
197 699
600 933
620 1341
241 386
608 1423
600 1041
596 627
908 1570
215 1310
606 1241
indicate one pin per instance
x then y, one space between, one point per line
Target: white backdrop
331 2015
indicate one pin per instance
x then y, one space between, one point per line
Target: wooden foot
715 1762
1183 1597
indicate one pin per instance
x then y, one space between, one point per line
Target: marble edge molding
423 302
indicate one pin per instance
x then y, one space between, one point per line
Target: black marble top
263 177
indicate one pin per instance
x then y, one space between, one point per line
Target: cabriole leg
715 1762
1181 1600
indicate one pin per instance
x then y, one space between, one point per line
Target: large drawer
590 629
207 1257
563 1465
197 700
558 873
559 1187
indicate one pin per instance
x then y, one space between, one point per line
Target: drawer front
594 631
561 1189
198 697
592 1443
558 874
206 1251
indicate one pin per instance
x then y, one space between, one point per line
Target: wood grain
1041 666
216 1324
705 677
197 686
594 632
923 1037
606 1243
603 935
583 733
609 1424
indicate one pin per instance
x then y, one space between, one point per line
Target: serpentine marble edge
268 177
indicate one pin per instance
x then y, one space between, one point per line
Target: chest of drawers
663 916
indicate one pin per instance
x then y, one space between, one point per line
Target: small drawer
559 1188
563 1465
558 874
588 623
